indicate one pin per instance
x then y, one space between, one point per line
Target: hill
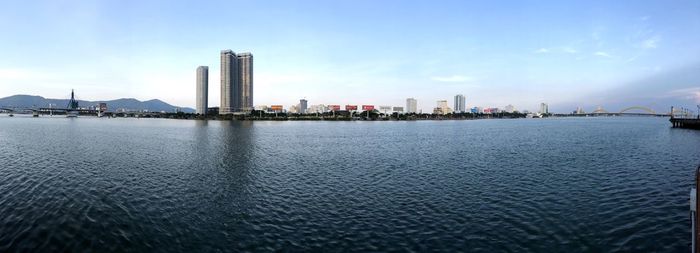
129 104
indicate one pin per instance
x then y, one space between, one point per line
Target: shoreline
313 117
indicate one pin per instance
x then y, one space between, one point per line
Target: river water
524 185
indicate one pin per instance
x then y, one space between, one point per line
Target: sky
613 54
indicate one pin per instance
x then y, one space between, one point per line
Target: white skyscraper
411 105
544 108
459 103
202 89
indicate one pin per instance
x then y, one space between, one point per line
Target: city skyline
510 53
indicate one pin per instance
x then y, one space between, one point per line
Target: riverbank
329 116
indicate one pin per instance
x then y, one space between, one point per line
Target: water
538 185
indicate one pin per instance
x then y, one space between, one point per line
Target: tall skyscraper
411 105
229 82
459 103
303 104
202 89
544 108
245 71
236 82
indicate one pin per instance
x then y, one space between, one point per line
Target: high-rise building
544 108
236 82
202 89
245 72
411 105
510 108
229 82
303 103
459 103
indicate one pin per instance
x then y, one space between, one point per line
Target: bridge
72 107
631 111
12 110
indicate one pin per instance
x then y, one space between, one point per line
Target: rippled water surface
538 185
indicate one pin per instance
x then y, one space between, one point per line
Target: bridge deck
685 123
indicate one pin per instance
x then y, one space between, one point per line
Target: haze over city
568 54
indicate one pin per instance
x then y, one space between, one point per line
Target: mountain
27 101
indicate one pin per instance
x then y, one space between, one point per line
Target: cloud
569 50
602 54
650 43
686 93
453 79
633 58
542 51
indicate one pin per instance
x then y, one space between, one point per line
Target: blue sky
565 53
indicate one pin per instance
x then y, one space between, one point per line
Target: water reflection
494 185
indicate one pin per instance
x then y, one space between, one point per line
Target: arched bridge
646 109
632 110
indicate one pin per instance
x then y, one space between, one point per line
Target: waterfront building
459 103
385 109
293 109
303 103
102 107
442 107
276 108
202 89
236 82
317 109
544 108
492 110
213 110
245 75
229 82
510 109
411 105
334 108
